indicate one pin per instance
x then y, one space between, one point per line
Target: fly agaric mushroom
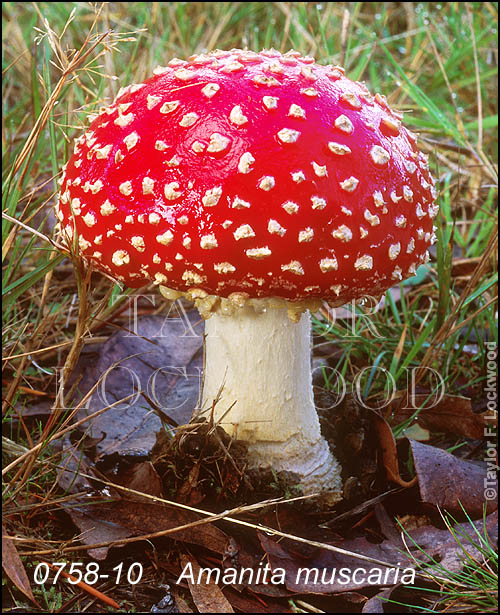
258 184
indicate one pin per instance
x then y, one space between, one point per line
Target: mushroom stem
258 363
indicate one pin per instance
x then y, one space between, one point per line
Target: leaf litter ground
148 484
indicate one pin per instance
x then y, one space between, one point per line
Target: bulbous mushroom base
308 466
258 383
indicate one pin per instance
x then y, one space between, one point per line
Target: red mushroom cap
260 173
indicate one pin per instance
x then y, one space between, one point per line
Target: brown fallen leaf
449 482
96 531
452 414
323 563
135 518
188 490
413 522
388 451
14 568
360 509
208 597
157 356
253 579
421 545
181 604
141 477
443 547
247 602
76 469
376 603
387 524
